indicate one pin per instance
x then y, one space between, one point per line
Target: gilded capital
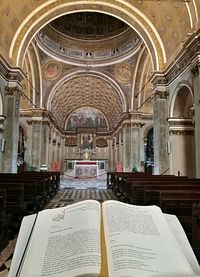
181 132
2 118
160 95
13 91
195 70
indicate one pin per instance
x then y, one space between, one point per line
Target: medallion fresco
52 70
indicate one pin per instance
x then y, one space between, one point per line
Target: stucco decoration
71 141
101 142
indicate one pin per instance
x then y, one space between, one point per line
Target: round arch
53 9
175 94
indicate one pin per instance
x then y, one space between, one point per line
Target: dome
89 25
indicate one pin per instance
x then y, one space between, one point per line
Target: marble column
11 131
44 143
2 140
114 152
120 147
50 148
181 148
127 147
38 143
196 87
54 147
135 145
110 155
161 132
117 149
62 154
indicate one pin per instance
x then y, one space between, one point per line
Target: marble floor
68 181
71 190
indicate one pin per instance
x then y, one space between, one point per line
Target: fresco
86 117
52 70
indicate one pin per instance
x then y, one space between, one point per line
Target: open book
109 240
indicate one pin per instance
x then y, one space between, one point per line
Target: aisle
68 181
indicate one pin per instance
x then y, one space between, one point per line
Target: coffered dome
88 38
89 25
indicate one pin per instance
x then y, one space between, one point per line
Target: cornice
11 74
37 116
180 122
187 59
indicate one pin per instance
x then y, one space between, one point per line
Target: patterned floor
67 181
71 191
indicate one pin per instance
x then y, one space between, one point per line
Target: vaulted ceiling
93 53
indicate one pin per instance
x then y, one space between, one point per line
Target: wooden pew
134 189
23 194
118 177
181 204
43 185
152 193
196 230
3 220
13 209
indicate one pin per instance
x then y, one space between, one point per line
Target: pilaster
11 131
181 148
38 139
160 105
196 86
2 140
127 147
135 146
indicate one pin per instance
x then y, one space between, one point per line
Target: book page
183 242
140 243
22 240
65 242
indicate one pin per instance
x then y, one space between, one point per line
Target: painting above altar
87 117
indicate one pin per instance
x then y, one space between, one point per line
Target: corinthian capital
196 69
160 95
14 91
2 118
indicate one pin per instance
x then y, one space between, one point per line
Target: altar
86 168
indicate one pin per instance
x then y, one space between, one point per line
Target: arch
147 129
53 9
179 87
